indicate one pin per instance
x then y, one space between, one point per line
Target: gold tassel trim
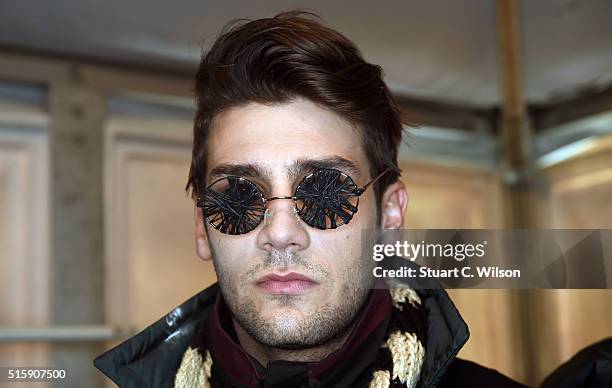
193 372
380 379
407 354
400 295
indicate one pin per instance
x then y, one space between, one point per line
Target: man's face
287 284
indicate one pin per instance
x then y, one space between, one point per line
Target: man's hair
291 55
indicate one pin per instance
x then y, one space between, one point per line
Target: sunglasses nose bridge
268 201
279 197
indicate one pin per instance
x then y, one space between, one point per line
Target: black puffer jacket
152 357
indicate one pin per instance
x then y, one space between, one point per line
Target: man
294 166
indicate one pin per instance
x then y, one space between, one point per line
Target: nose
282 228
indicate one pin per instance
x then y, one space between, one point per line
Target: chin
278 311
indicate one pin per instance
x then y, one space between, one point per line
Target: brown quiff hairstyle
292 54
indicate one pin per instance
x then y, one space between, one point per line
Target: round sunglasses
324 199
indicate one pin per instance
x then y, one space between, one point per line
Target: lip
292 283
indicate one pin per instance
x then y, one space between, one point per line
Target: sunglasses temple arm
362 189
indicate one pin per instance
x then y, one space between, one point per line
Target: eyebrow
294 170
243 170
306 166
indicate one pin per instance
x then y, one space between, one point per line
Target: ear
202 245
394 204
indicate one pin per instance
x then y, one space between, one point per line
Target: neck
264 354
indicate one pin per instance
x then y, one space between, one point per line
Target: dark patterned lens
327 199
233 205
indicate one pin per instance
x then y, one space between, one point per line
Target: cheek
231 255
342 254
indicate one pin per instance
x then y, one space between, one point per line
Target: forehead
275 136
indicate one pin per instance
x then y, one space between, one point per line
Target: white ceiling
444 50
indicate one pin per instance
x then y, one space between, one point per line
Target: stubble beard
294 330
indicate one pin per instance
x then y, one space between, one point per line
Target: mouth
292 283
